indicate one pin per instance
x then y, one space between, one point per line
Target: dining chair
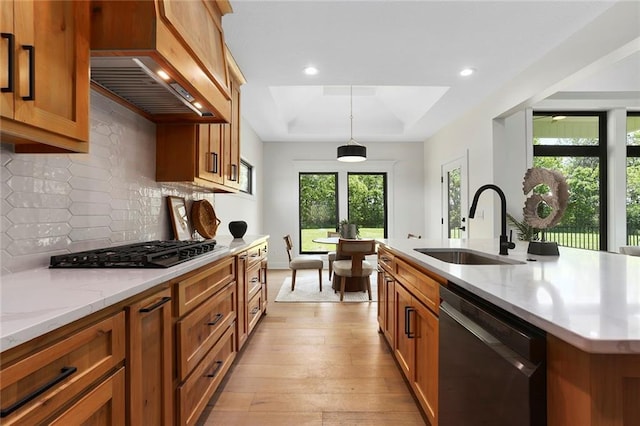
414 236
303 261
356 266
331 256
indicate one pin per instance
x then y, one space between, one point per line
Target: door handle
10 59
214 163
32 73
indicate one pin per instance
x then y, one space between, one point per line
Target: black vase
238 228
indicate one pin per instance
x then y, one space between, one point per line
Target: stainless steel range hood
136 80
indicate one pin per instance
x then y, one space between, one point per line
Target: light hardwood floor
313 364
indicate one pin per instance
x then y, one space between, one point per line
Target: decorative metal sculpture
557 199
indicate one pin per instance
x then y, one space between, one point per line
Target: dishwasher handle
509 355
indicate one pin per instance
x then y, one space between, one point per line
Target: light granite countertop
589 299
34 302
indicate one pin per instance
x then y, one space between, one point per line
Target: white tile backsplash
55 203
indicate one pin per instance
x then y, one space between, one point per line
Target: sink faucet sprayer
505 244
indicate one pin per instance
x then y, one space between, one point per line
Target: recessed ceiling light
558 117
467 72
311 70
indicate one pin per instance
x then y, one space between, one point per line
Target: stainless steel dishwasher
491 364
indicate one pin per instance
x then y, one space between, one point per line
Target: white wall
54 204
487 129
283 161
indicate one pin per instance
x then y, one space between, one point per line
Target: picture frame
179 218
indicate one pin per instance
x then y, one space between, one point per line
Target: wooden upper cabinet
192 153
232 130
45 79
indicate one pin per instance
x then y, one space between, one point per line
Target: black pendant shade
352 153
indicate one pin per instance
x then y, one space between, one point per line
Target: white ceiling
401 57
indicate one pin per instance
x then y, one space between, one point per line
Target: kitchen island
587 302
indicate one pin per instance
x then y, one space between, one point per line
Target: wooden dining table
351 283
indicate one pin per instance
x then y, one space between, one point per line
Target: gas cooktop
151 254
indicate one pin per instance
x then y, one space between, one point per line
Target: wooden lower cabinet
149 360
198 331
197 390
42 382
252 289
154 359
416 349
103 406
386 305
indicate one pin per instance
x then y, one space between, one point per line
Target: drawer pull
255 310
155 305
64 373
214 373
11 41
32 73
255 279
216 319
243 256
214 163
407 321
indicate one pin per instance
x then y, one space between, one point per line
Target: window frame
337 206
250 177
385 200
598 151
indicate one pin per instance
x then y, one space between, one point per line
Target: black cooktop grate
150 254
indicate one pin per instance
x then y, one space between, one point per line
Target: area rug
307 290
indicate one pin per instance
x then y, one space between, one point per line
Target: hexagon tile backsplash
53 204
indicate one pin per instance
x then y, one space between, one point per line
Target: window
318 207
246 177
320 210
633 179
576 146
367 203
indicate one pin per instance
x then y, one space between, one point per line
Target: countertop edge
16 327
584 342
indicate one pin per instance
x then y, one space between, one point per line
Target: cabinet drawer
197 288
196 391
386 259
104 405
56 374
254 309
424 287
253 280
199 330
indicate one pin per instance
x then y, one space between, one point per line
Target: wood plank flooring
313 364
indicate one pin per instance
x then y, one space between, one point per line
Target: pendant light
352 152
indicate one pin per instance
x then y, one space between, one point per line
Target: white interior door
455 198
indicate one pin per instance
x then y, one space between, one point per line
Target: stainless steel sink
467 257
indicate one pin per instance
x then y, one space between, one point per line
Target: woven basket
204 218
